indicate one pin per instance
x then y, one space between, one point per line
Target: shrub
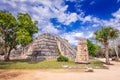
62 59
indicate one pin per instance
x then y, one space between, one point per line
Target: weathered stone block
82 52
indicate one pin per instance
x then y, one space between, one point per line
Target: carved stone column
82 52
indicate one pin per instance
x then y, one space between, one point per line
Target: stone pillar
82 52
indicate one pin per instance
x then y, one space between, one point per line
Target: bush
92 48
62 59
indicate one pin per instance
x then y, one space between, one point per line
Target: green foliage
106 33
7 28
16 31
26 29
92 48
62 59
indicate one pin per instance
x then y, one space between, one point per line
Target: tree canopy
15 31
92 48
104 35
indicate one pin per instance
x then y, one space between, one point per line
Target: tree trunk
116 42
7 57
116 51
107 53
23 50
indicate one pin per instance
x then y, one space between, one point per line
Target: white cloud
90 35
96 22
92 2
118 1
75 0
113 22
73 37
50 29
71 0
90 19
95 25
68 18
87 18
117 14
42 11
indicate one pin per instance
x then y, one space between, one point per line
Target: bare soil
113 73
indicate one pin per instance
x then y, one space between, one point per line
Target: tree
104 35
114 44
92 48
16 31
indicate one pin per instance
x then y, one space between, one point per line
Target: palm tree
104 35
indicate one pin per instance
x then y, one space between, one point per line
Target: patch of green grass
47 64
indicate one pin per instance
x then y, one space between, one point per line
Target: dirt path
113 73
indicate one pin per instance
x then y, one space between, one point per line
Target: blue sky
70 19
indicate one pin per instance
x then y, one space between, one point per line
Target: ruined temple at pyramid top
47 46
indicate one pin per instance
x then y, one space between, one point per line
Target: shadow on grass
17 64
19 60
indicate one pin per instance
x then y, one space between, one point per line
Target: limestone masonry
82 52
45 46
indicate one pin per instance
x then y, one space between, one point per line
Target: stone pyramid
47 46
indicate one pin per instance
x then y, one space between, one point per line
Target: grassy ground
48 64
